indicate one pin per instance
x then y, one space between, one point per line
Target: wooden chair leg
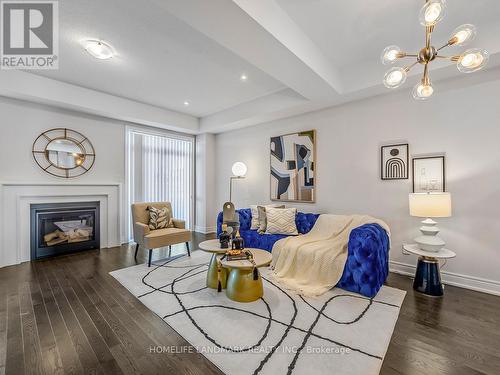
136 250
187 246
150 254
169 251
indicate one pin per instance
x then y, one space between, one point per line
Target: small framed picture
394 162
428 174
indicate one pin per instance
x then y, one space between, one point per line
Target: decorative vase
238 242
429 240
224 237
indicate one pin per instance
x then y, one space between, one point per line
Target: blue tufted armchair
367 264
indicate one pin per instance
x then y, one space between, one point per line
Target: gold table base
241 286
212 278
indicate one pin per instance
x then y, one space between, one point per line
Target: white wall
205 183
464 124
22 180
21 123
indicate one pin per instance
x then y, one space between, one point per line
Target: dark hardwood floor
67 315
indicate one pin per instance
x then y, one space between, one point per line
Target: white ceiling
161 60
299 55
357 31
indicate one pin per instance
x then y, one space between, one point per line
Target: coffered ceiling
297 55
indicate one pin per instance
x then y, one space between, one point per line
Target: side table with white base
213 247
428 276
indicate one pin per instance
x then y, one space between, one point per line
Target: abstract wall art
293 162
428 174
394 162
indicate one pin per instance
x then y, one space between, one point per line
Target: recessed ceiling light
186 103
99 49
243 77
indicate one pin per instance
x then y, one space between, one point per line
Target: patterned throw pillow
281 221
256 220
263 218
159 218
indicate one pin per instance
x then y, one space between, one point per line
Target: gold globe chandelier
469 61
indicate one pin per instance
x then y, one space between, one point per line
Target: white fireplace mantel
16 198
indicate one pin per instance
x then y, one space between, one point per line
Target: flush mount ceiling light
186 103
243 77
469 61
99 49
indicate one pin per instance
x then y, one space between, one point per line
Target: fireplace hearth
62 228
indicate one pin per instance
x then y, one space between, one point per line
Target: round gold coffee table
241 286
213 246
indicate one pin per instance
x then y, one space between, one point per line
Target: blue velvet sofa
367 264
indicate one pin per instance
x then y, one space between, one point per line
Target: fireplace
62 228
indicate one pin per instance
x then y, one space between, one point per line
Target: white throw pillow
255 214
281 221
263 218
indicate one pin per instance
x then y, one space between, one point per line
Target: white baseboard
463 281
205 230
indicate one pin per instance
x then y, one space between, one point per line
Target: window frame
130 130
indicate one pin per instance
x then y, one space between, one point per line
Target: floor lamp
239 170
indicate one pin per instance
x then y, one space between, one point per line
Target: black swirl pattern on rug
166 265
289 326
209 338
202 268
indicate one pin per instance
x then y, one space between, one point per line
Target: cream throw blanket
313 263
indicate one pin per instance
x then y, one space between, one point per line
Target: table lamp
430 205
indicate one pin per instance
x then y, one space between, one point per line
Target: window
160 168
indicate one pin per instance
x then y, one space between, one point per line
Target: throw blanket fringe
313 263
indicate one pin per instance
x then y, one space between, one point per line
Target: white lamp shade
430 204
239 169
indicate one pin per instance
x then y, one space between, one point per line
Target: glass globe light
472 60
395 77
422 91
432 12
239 169
463 34
390 55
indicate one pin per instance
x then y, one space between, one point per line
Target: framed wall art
293 161
429 174
394 162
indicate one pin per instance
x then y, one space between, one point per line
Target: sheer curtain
161 168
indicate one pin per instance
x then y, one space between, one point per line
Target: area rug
282 333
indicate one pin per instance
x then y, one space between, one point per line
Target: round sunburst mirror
63 153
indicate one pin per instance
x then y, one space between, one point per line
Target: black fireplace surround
63 228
